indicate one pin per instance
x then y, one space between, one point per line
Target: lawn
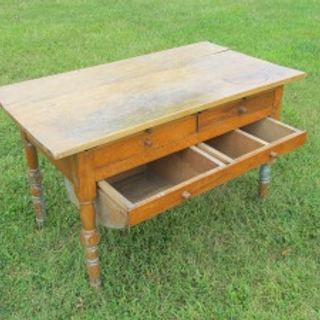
224 255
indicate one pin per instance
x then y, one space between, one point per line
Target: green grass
223 255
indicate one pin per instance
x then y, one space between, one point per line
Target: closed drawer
144 142
138 194
236 114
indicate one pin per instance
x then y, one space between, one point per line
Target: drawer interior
269 130
240 142
154 177
234 144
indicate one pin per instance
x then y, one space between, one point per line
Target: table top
78 110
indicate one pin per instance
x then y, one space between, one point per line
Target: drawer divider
208 156
251 136
215 153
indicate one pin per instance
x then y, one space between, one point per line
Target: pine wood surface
75 111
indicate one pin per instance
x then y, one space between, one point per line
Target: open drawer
138 194
266 136
141 193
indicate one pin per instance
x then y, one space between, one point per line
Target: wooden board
79 110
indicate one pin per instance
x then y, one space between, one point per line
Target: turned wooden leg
264 180
35 180
90 239
86 191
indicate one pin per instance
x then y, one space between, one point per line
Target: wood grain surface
79 110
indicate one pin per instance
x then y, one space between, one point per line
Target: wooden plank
77 81
104 111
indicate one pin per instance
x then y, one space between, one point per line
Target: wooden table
136 137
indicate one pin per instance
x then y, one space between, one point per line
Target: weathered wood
85 189
35 180
147 156
76 82
277 103
109 213
111 159
145 141
237 113
67 166
108 106
128 122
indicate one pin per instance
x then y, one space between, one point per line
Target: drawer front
145 141
148 190
236 114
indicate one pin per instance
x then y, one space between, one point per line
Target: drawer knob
273 154
148 142
186 195
242 109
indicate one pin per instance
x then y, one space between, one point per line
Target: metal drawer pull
148 142
186 195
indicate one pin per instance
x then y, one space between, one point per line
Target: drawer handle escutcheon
148 142
242 109
186 195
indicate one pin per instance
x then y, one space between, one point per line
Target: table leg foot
264 180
